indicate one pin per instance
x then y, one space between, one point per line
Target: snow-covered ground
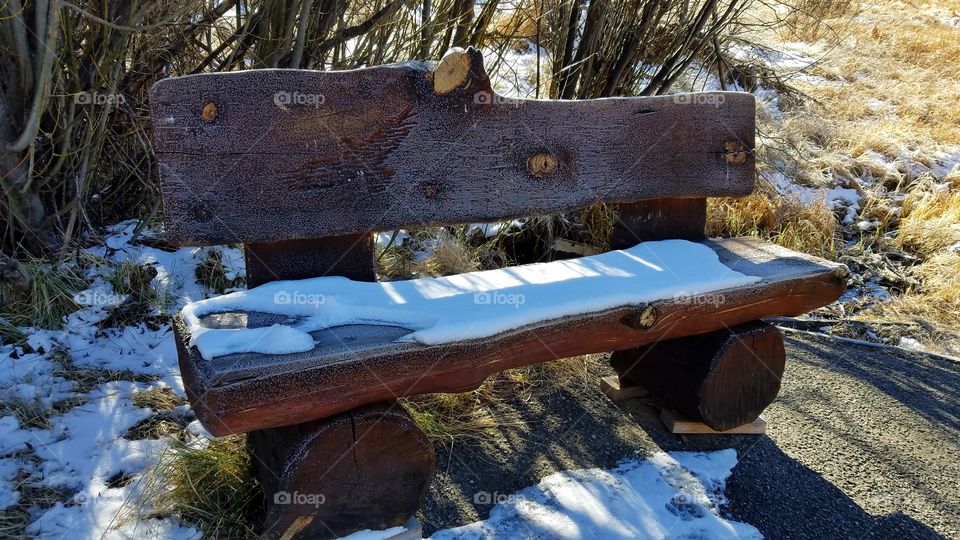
84 454
674 495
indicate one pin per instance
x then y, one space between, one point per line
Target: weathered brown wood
349 256
659 219
724 378
368 468
353 365
292 154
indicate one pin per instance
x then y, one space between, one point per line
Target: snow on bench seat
288 352
465 306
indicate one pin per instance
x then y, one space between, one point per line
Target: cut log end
365 469
452 72
723 379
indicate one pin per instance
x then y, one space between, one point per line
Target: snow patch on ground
82 451
675 495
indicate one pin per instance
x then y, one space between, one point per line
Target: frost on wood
465 306
395 146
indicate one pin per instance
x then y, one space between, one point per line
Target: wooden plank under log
613 388
272 155
724 378
354 365
680 425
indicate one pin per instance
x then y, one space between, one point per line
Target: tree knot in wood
209 112
736 153
542 164
201 212
642 319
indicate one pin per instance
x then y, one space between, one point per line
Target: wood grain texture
358 364
724 378
294 154
368 468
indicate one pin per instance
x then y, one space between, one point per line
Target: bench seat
356 363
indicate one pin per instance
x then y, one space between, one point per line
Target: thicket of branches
74 130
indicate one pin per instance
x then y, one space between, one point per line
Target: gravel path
861 443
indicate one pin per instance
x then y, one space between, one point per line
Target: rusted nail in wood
542 164
643 319
209 112
735 154
452 72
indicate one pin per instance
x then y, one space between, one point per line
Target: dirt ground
861 443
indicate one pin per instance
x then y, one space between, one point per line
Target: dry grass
451 255
478 418
160 398
809 228
931 221
899 92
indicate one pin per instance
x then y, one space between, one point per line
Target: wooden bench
303 168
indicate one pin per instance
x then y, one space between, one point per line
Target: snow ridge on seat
464 306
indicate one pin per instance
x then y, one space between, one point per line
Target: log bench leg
368 468
724 378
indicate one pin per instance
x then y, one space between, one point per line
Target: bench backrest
277 158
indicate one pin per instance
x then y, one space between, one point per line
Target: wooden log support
368 468
724 378
659 219
349 256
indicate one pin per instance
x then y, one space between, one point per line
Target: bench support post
367 468
724 378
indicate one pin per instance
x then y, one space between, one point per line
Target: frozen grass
209 483
49 297
213 274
